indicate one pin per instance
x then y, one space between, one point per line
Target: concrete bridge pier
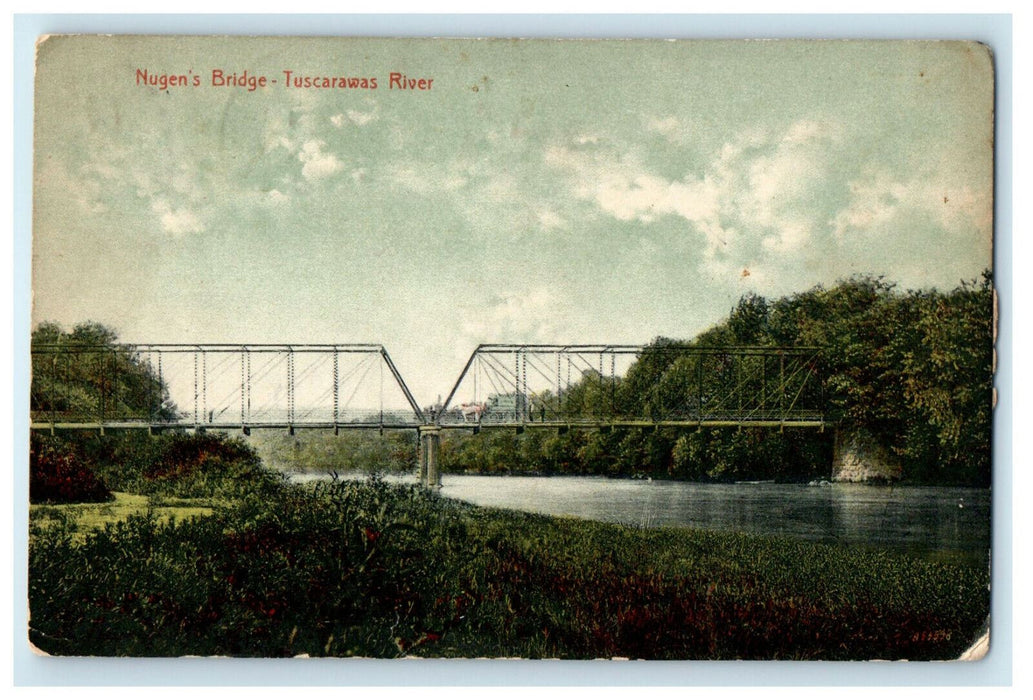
858 456
430 457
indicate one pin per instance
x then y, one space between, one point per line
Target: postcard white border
996 669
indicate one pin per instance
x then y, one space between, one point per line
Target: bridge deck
622 423
556 425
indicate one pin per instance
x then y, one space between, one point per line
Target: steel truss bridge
219 387
636 386
358 387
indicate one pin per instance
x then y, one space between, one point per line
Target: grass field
86 518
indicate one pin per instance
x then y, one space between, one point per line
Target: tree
86 375
948 382
748 321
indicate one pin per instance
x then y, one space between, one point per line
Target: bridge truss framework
219 387
240 387
637 386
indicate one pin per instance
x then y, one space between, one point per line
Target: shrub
202 465
175 464
57 474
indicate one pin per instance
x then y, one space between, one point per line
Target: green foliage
84 375
320 451
367 569
173 464
911 369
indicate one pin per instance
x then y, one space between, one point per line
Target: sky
533 191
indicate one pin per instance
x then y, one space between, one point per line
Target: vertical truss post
247 354
154 400
699 387
100 397
763 382
559 388
613 384
290 388
53 392
821 390
161 387
738 383
525 407
196 391
781 385
243 386
206 417
516 386
113 364
568 380
336 389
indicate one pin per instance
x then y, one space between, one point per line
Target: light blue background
996 669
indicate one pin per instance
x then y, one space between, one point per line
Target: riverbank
364 568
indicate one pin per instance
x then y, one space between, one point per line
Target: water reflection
909 518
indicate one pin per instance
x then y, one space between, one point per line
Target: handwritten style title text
288 79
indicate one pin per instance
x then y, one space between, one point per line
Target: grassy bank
84 519
370 569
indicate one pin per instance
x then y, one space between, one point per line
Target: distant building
502 407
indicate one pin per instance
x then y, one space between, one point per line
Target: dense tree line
911 370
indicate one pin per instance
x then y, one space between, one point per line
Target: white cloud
454 182
526 316
624 190
874 200
276 135
770 208
84 191
880 202
670 128
361 118
409 178
757 190
790 237
179 221
277 197
317 163
807 131
354 116
550 219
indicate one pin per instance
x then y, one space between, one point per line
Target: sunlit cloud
177 221
318 164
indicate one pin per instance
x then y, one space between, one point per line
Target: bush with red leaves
185 455
58 475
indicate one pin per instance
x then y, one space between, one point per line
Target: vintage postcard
545 349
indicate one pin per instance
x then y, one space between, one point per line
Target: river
924 520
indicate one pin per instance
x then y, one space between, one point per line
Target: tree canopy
912 369
85 374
